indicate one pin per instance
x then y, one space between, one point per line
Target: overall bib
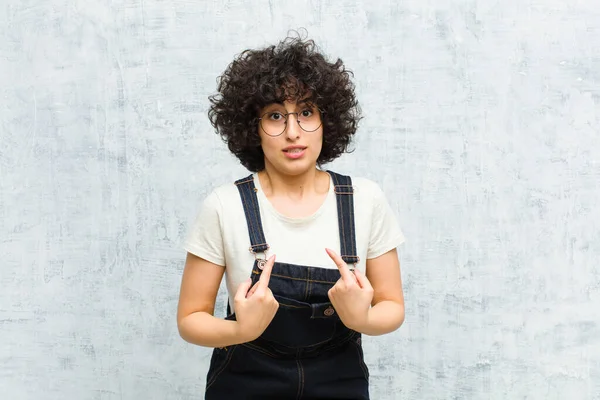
306 352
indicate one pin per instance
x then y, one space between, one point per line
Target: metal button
329 311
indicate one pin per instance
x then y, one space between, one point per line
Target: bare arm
254 307
387 311
195 313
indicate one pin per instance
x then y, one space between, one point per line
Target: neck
299 186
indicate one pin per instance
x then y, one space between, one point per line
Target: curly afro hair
292 70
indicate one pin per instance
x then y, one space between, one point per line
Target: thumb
243 289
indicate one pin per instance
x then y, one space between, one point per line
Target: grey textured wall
481 124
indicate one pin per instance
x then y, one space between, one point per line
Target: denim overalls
306 352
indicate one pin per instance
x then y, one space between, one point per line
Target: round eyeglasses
273 123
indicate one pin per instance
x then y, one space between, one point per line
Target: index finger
263 281
347 276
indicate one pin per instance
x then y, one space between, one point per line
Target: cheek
318 142
269 146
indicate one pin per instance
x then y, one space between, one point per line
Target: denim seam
247 211
300 379
345 216
361 359
290 306
260 349
222 367
256 209
252 212
308 286
303 279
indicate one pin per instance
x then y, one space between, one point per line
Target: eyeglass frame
286 121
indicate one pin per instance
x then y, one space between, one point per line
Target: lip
296 154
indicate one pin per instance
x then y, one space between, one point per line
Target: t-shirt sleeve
386 234
205 236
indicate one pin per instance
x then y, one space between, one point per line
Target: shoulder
217 205
225 195
366 190
368 195
366 187
373 210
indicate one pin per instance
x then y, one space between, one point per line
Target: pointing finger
265 275
342 266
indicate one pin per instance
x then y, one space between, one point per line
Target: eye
275 116
306 113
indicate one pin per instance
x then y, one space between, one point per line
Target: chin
298 167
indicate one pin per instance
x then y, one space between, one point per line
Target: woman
309 255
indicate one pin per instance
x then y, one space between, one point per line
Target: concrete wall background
481 124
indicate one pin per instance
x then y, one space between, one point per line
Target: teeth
294 150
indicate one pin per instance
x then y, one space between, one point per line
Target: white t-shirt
219 233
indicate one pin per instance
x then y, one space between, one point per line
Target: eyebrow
298 104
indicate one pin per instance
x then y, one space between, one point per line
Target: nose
292 129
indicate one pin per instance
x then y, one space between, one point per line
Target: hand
255 308
351 296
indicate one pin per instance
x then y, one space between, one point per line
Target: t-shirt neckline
265 203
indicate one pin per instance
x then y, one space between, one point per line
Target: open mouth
294 152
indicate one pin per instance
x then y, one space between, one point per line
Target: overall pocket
299 325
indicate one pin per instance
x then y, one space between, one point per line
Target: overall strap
344 193
258 244
247 190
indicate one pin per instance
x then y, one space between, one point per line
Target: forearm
384 317
203 329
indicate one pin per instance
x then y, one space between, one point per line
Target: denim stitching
311 345
251 216
363 365
341 218
340 341
352 223
300 379
302 279
259 349
251 211
344 187
248 212
255 209
307 291
290 306
240 182
255 272
222 367
343 227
